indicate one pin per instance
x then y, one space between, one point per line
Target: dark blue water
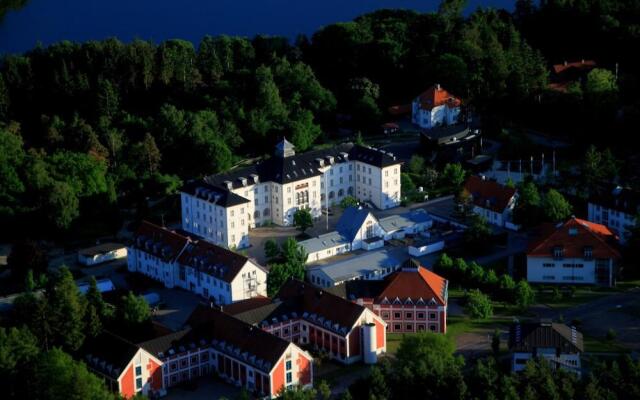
49 21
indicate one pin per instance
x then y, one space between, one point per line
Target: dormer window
558 252
573 231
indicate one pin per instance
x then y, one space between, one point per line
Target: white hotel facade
222 208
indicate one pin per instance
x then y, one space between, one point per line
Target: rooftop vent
228 184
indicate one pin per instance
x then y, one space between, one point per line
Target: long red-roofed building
574 252
412 299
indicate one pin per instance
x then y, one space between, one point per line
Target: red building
412 299
314 318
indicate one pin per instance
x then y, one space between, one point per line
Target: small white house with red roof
435 107
412 299
491 200
574 252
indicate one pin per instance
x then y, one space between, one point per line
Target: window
289 377
138 383
408 315
548 265
385 315
288 365
138 370
397 327
420 315
558 252
548 277
588 252
409 327
396 315
432 328
432 315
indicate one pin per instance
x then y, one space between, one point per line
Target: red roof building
492 200
435 107
576 251
412 299
567 73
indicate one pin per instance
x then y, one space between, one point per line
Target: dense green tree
271 249
18 346
453 176
303 129
477 235
63 205
528 207
425 364
556 207
524 294
348 201
416 164
478 305
57 376
108 98
12 157
302 219
66 309
134 310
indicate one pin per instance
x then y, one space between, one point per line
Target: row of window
564 278
409 315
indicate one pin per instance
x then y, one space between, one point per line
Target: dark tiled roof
620 199
489 194
160 346
528 336
573 237
299 166
108 354
246 305
358 289
213 260
234 336
297 299
211 193
159 241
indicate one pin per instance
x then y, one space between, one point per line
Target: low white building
102 253
211 271
574 252
559 344
617 210
435 107
223 207
399 225
493 201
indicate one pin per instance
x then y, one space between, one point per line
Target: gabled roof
618 198
108 354
351 221
489 194
372 262
573 237
406 220
412 282
436 96
213 194
585 65
213 260
159 241
526 337
297 299
227 333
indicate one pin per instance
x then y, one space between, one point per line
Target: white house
574 252
209 270
399 225
102 253
435 107
491 200
223 207
559 344
617 210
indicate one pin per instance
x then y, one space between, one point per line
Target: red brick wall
127 385
277 378
380 342
443 322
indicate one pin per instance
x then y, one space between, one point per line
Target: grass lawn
457 325
626 285
393 342
594 344
581 296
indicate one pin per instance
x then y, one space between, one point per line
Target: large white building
211 271
435 107
617 210
574 252
222 208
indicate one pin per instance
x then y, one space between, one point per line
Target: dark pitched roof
489 194
234 336
573 237
351 221
211 193
525 337
213 260
618 198
159 241
160 346
290 169
108 354
297 299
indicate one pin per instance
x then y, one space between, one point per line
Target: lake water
49 21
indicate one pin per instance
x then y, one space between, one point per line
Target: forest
90 129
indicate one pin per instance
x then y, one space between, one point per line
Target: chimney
565 62
437 86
